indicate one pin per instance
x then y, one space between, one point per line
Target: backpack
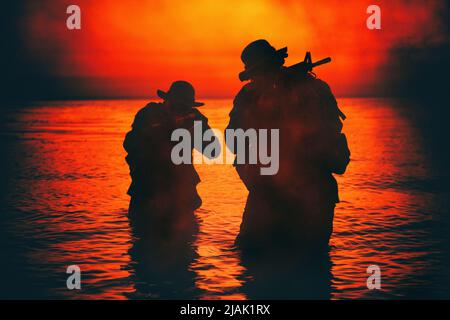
340 152
341 156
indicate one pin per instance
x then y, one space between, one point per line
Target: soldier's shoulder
314 85
329 102
320 84
153 106
248 88
151 109
245 94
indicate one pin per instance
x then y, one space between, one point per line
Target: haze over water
65 202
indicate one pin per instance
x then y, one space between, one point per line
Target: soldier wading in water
164 194
295 207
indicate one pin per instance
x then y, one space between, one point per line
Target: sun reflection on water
69 202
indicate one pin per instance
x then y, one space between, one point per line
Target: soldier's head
180 96
261 59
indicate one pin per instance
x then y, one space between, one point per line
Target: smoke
131 48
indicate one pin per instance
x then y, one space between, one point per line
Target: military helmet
260 53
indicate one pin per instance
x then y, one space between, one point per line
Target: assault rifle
306 65
299 69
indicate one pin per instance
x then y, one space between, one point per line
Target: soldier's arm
329 134
131 139
332 112
214 139
241 103
137 139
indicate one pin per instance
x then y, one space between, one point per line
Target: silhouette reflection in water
286 263
283 275
162 252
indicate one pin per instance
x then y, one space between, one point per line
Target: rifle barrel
320 62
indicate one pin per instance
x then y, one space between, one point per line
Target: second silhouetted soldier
297 204
160 189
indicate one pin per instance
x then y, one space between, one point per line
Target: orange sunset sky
131 48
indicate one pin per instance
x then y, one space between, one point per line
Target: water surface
64 202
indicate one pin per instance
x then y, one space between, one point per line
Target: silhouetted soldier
295 206
160 190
